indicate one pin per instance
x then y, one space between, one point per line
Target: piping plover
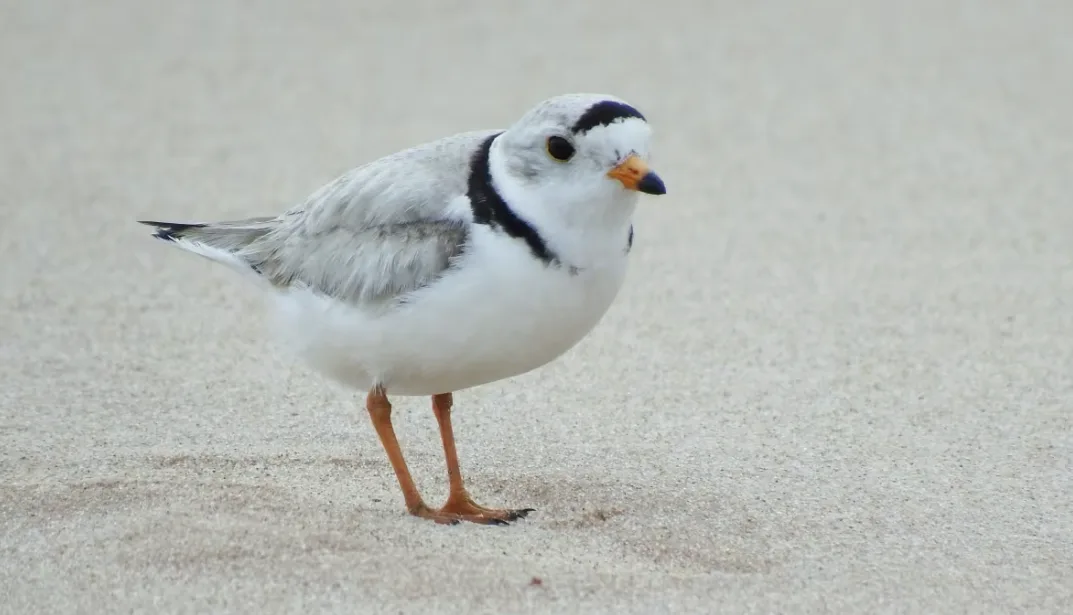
455 263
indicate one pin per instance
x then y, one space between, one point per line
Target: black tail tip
169 231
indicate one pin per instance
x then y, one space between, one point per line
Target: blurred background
842 362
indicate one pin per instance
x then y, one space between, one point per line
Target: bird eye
560 149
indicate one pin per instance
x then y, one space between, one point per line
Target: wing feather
378 231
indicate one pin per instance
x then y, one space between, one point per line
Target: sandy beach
839 378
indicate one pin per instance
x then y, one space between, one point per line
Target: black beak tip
651 184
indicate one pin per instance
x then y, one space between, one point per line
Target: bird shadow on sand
699 532
217 511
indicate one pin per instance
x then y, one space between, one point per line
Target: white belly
503 313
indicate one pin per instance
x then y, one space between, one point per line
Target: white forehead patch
620 137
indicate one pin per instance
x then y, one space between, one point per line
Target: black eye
560 149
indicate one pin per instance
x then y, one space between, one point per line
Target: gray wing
378 231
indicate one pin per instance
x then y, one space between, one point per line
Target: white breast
501 314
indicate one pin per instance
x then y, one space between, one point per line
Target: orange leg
380 412
459 504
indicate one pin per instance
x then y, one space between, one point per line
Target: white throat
586 229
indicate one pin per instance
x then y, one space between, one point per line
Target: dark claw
521 513
497 522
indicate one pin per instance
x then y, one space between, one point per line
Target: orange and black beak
635 175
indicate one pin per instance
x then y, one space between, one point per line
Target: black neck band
490 208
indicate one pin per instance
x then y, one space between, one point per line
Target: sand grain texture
840 377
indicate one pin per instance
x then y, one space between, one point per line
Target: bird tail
222 242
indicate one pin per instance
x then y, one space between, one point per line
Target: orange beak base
635 175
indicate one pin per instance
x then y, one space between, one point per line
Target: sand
839 378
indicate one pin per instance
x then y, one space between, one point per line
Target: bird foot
462 508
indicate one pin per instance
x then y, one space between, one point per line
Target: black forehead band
604 114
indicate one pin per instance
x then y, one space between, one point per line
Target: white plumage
452 264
